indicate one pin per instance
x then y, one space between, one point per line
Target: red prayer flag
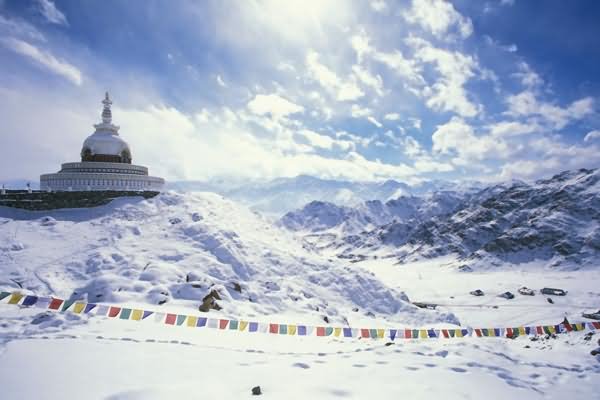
478 332
320 331
364 333
171 318
223 323
114 311
539 330
509 332
273 328
407 334
596 325
445 333
55 304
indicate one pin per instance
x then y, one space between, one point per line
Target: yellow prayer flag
522 330
380 333
243 325
458 333
78 308
137 315
337 331
191 321
423 334
291 330
552 329
15 298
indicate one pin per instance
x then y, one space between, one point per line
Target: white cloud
342 90
220 81
526 104
595 134
52 14
392 117
358 112
19 28
528 77
275 105
44 59
325 142
438 17
455 69
368 79
402 66
458 137
416 123
372 120
378 5
512 128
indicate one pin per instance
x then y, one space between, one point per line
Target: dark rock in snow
256 391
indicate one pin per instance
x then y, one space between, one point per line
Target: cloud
378 5
220 81
374 121
458 137
274 105
438 17
340 89
512 128
325 142
52 14
455 69
44 59
528 77
373 81
392 117
526 104
19 28
358 112
592 135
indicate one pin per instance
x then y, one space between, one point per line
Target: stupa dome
105 144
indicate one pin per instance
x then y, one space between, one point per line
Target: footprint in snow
457 369
359 365
301 365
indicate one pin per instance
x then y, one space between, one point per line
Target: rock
477 292
507 295
550 300
209 302
237 287
326 319
256 391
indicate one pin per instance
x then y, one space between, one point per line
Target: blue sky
364 90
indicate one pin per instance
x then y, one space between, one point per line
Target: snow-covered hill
556 220
176 249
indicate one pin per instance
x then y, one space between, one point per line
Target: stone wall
40 200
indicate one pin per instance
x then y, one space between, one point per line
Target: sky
360 90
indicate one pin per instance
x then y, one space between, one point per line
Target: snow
167 253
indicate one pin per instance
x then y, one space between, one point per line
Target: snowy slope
176 249
556 220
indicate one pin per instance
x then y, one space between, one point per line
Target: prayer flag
283 329
301 330
67 304
114 311
347 332
181 319
125 313
137 315
253 326
4 295
243 325
147 314
55 304
320 331
233 325
393 334
273 328
78 307
291 329
192 321
15 298
364 333
337 332
29 301
201 322
328 331
223 323
88 307
170 320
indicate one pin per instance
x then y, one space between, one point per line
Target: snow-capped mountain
556 220
278 196
177 249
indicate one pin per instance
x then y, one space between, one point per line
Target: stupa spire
106 113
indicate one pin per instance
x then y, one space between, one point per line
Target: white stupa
105 164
